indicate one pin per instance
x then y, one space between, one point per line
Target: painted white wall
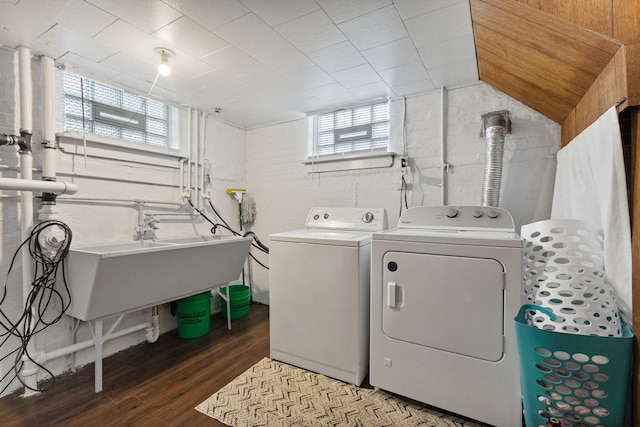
284 191
104 221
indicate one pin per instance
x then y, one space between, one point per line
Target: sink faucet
146 228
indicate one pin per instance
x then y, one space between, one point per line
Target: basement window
350 138
107 111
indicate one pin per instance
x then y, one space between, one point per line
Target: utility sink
115 278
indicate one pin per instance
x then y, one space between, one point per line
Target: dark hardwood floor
155 384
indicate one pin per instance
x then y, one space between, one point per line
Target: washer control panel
459 217
357 219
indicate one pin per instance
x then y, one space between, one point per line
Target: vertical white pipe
203 133
189 114
444 167
48 132
29 370
196 159
26 98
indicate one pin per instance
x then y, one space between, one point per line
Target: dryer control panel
457 217
353 219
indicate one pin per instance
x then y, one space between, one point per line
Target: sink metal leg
98 347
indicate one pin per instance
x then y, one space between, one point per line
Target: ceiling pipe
495 126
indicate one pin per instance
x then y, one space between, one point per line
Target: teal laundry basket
581 380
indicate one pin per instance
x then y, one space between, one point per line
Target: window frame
112 116
371 157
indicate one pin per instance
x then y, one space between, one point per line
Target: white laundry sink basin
115 278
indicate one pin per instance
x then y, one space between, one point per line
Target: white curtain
591 186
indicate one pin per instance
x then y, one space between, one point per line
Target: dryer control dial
367 217
476 213
451 212
492 213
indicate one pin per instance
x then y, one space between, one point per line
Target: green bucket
194 315
239 301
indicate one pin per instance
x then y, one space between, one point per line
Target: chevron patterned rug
275 394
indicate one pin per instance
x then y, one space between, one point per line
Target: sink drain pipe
495 126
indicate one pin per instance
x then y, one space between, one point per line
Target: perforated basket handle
525 307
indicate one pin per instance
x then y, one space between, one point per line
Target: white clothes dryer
319 292
445 288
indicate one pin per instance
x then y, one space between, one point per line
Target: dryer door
451 303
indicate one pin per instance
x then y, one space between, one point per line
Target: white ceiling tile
251 35
219 81
276 12
120 34
24 21
414 87
375 28
443 24
448 52
207 14
12 39
283 59
232 61
356 76
195 39
411 8
92 49
311 32
148 15
308 78
184 65
461 73
337 57
391 55
77 15
129 64
341 10
408 73
372 91
82 65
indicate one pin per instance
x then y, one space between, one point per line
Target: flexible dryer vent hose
494 132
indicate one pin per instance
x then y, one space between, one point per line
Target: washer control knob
476 213
492 213
316 217
451 212
326 216
368 217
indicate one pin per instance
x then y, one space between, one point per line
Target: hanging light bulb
163 68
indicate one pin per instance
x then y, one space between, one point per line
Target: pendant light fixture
163 68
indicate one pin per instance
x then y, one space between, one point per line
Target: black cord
256 243
42 294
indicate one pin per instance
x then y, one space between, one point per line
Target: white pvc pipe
48 132
203 119
444 167
189 114
27 185
29 368
26 98
196 164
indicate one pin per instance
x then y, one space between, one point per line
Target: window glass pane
357 129
119 114
343 119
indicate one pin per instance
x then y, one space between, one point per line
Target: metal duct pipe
494 127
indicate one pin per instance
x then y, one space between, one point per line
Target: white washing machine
319 292
445 287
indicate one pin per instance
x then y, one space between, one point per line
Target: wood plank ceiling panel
596 15
543 61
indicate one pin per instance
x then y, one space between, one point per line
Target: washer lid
323 237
